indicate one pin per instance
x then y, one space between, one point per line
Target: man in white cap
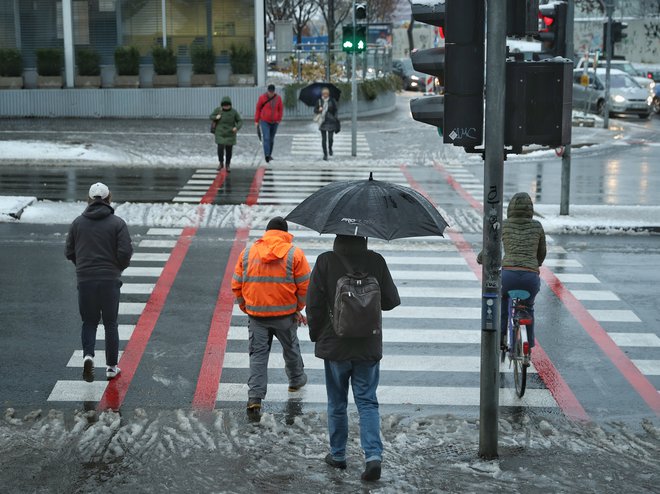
100 246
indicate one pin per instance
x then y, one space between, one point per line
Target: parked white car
625 66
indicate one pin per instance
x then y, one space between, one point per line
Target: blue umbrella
312 93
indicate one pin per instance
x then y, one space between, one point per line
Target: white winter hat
99 190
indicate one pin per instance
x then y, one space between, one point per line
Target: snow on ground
38 150
11 207
180 451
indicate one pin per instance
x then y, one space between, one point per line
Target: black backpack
357 311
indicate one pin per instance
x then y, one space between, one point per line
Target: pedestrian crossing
151 254
198 184
310 145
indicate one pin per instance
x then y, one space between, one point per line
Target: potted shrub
89 68
127 66
11 69
164 67
241 59
203 64
49 68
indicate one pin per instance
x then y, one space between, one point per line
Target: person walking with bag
326 117
267 116
99 245
227 124
351 360
270 284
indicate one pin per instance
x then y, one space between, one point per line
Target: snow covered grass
179 451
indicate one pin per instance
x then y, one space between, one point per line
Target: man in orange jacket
270 284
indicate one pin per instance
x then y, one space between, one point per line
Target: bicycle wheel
519 370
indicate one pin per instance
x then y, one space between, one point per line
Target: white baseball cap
99 190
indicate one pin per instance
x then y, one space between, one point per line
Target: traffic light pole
609 8
566 156
354 96
492 258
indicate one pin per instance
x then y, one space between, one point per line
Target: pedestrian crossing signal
354 40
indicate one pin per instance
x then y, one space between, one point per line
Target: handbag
318 119
338 127
214 124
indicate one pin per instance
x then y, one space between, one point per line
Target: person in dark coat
349 359
326 116
99 245
229 122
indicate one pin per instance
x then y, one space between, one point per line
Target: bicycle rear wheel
519 370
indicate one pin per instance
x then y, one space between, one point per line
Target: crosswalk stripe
137 288
594 295
395 395
642 340
165 231
131 308
76 359
160 244
152 272
125 332
562 263
79 391
191 199
150 257
648 367
614 315
577 278
200 182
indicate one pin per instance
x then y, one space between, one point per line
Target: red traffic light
548 20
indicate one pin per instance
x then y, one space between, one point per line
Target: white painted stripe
417 312
187 193
198 188
137 288
614 315
594 295
165 231
413 260
199 182
439 292
205 176
162 244
191 200
76 359
576 278
150 257
395 395
289 200
125 331
644 340
138 271
396 363
555 249
562 263
78 391
433 275
131 308
648 367
206 170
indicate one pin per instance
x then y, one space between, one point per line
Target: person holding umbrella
326 116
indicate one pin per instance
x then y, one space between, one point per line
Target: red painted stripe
630 372
553 380
206 392
253 195
209 197
116 390
210 373
458 188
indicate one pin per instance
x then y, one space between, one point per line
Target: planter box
207 80
165 80
127 81
49 82
88 81
11 83
241 80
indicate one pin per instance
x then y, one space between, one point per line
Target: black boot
221 165
325 157
372 471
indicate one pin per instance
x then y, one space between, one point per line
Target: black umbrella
311 94
369 208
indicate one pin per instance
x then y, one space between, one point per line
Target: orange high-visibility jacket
271 276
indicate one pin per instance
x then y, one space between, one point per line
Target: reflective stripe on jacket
276 278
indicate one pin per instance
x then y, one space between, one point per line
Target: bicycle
517 346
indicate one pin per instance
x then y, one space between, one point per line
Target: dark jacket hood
349 245
98 210
520 206
225 101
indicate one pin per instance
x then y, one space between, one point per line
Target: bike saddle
519 294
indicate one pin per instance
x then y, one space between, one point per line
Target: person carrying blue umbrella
325 115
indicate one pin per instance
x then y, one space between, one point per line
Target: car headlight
618 98
649 100
414 78
652 85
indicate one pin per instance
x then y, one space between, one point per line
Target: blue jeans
513 279
364 376
98 299
268 131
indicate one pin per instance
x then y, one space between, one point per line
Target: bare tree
298 11
334 13
381 10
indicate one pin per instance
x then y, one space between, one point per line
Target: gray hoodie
99 244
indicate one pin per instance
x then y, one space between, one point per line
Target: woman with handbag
327 120
225 123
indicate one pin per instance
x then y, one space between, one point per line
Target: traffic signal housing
354 39
460 64
522 18
552 32
360 12
618 34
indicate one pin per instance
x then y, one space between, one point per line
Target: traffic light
354 40
618 34
539 101
460 64
360 12
522 18
552 32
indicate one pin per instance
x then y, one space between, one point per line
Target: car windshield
406 64
623 81
626 67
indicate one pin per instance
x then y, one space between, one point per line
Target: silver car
626 95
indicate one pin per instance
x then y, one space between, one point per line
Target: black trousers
225 149
96 300
326 141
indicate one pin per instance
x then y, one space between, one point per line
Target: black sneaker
254 404
296 387
372 471
330 151
341 464
88 368
268 159
221 165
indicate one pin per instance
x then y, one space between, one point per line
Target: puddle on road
179 451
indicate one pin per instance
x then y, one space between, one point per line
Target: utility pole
492 259
354 99
566 156
609 9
